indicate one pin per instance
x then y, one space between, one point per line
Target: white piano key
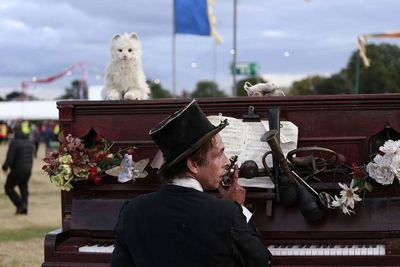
339 250
302 250
296 250
382 250
352 250
332 250
320 250
272 249
364 250
370 251
313 250
357 250
291 249
83 249
345 250
110 249
283 250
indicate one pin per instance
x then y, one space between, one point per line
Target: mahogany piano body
344 123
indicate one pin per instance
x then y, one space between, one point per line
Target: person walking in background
35 136
18 168
48 137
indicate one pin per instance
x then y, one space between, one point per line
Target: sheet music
258 182
244 138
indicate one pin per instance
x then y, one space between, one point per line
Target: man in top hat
180 225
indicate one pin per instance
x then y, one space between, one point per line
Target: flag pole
173 51
215 62
234 48
357 74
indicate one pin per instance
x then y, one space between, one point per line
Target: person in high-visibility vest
26 129
56 129
3 132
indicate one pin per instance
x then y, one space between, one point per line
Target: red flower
100 156
93 172
98 137
358 173
97 180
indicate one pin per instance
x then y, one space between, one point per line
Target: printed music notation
244 138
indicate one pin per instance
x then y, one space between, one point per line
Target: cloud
274 34
14 25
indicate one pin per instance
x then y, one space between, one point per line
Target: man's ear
192 166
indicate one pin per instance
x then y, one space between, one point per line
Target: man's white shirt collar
188 182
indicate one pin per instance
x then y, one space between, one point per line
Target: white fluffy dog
125 78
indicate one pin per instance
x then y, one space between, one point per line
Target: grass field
22 236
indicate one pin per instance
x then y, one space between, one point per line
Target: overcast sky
288 39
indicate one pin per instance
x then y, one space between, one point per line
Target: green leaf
368 186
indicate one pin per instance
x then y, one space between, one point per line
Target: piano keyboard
327 250
285 250
97 248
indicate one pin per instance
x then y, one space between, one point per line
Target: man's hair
198 157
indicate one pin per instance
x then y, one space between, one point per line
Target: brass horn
312 203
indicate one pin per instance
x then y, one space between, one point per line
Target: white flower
341 203
390 147
379 169
395 166
346 210
336 202
348 194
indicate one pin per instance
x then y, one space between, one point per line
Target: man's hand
235 191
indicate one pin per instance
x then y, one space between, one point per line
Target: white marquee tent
28 110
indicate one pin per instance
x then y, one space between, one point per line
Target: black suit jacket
178 226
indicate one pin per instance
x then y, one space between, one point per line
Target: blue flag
195 17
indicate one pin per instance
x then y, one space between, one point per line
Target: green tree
305 86
157 91
383 75
78 90
17 95
336 84
207 89
240 84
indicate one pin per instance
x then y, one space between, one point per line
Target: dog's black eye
129 50
120 50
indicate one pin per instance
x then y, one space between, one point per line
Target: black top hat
182 133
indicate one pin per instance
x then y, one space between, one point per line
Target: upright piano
352 125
